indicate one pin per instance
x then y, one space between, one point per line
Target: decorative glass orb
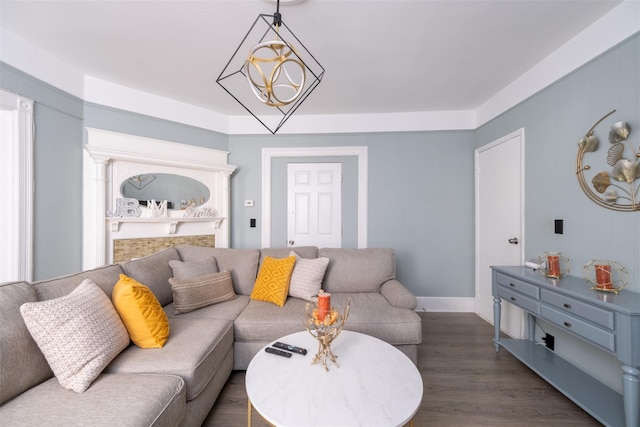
275 73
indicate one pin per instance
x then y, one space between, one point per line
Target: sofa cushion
105 277
272 284
358 270
262 321
79 334
194 352
141 313
306 279
242 263
112 400
22 364
371 314
193 294
185 270
154 271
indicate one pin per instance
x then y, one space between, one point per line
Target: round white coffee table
375 385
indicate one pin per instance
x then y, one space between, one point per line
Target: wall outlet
549 341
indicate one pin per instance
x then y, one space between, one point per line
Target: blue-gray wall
420 200
554 120
421 184
58 173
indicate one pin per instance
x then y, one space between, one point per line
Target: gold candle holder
606 276
325 331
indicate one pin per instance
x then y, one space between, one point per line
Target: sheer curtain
16 187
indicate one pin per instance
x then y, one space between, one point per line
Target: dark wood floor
466 383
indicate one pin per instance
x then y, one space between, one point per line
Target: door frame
521 242
361 152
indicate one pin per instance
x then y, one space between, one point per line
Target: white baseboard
451 304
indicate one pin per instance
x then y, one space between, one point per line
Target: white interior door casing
314 204
499 218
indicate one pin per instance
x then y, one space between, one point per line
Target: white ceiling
380 56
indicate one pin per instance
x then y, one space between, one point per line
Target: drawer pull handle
567 305
567 324
513 298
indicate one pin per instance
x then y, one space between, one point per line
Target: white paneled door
314 204
499 221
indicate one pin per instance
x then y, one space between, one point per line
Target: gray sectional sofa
178 384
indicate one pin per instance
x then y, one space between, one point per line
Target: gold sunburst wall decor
617 188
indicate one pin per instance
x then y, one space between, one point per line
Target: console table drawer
595 314
531 305
595 334
518 285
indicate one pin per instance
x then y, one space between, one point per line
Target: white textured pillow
307 276
79 334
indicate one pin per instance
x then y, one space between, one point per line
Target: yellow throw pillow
141 313
272 284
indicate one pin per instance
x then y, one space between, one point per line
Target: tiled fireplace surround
110 158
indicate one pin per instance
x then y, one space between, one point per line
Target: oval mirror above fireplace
179 191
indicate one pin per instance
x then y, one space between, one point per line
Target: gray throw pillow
192 294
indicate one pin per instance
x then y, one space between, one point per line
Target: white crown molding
113 95
359 123
620 23
34 61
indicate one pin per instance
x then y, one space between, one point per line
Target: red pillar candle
603 276
554 265
324 305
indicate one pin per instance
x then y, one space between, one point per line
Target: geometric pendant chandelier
271 72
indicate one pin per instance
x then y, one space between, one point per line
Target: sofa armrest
398 295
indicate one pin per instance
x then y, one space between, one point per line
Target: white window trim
20 245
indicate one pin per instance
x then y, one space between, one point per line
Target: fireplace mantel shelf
172 223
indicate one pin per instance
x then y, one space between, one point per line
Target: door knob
291 242
513 240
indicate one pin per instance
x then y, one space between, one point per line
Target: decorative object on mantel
324 323
606 276
279 70
141 181
554 265
626 170
159 209
125 208
199 213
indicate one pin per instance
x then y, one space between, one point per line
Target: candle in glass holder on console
324 305
603 276
554 266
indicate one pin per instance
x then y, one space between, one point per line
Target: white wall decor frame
18 245
269 153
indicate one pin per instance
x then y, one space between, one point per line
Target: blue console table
605 320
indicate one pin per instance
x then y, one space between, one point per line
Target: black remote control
277 352
293 348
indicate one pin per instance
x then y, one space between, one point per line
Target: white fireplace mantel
110 157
